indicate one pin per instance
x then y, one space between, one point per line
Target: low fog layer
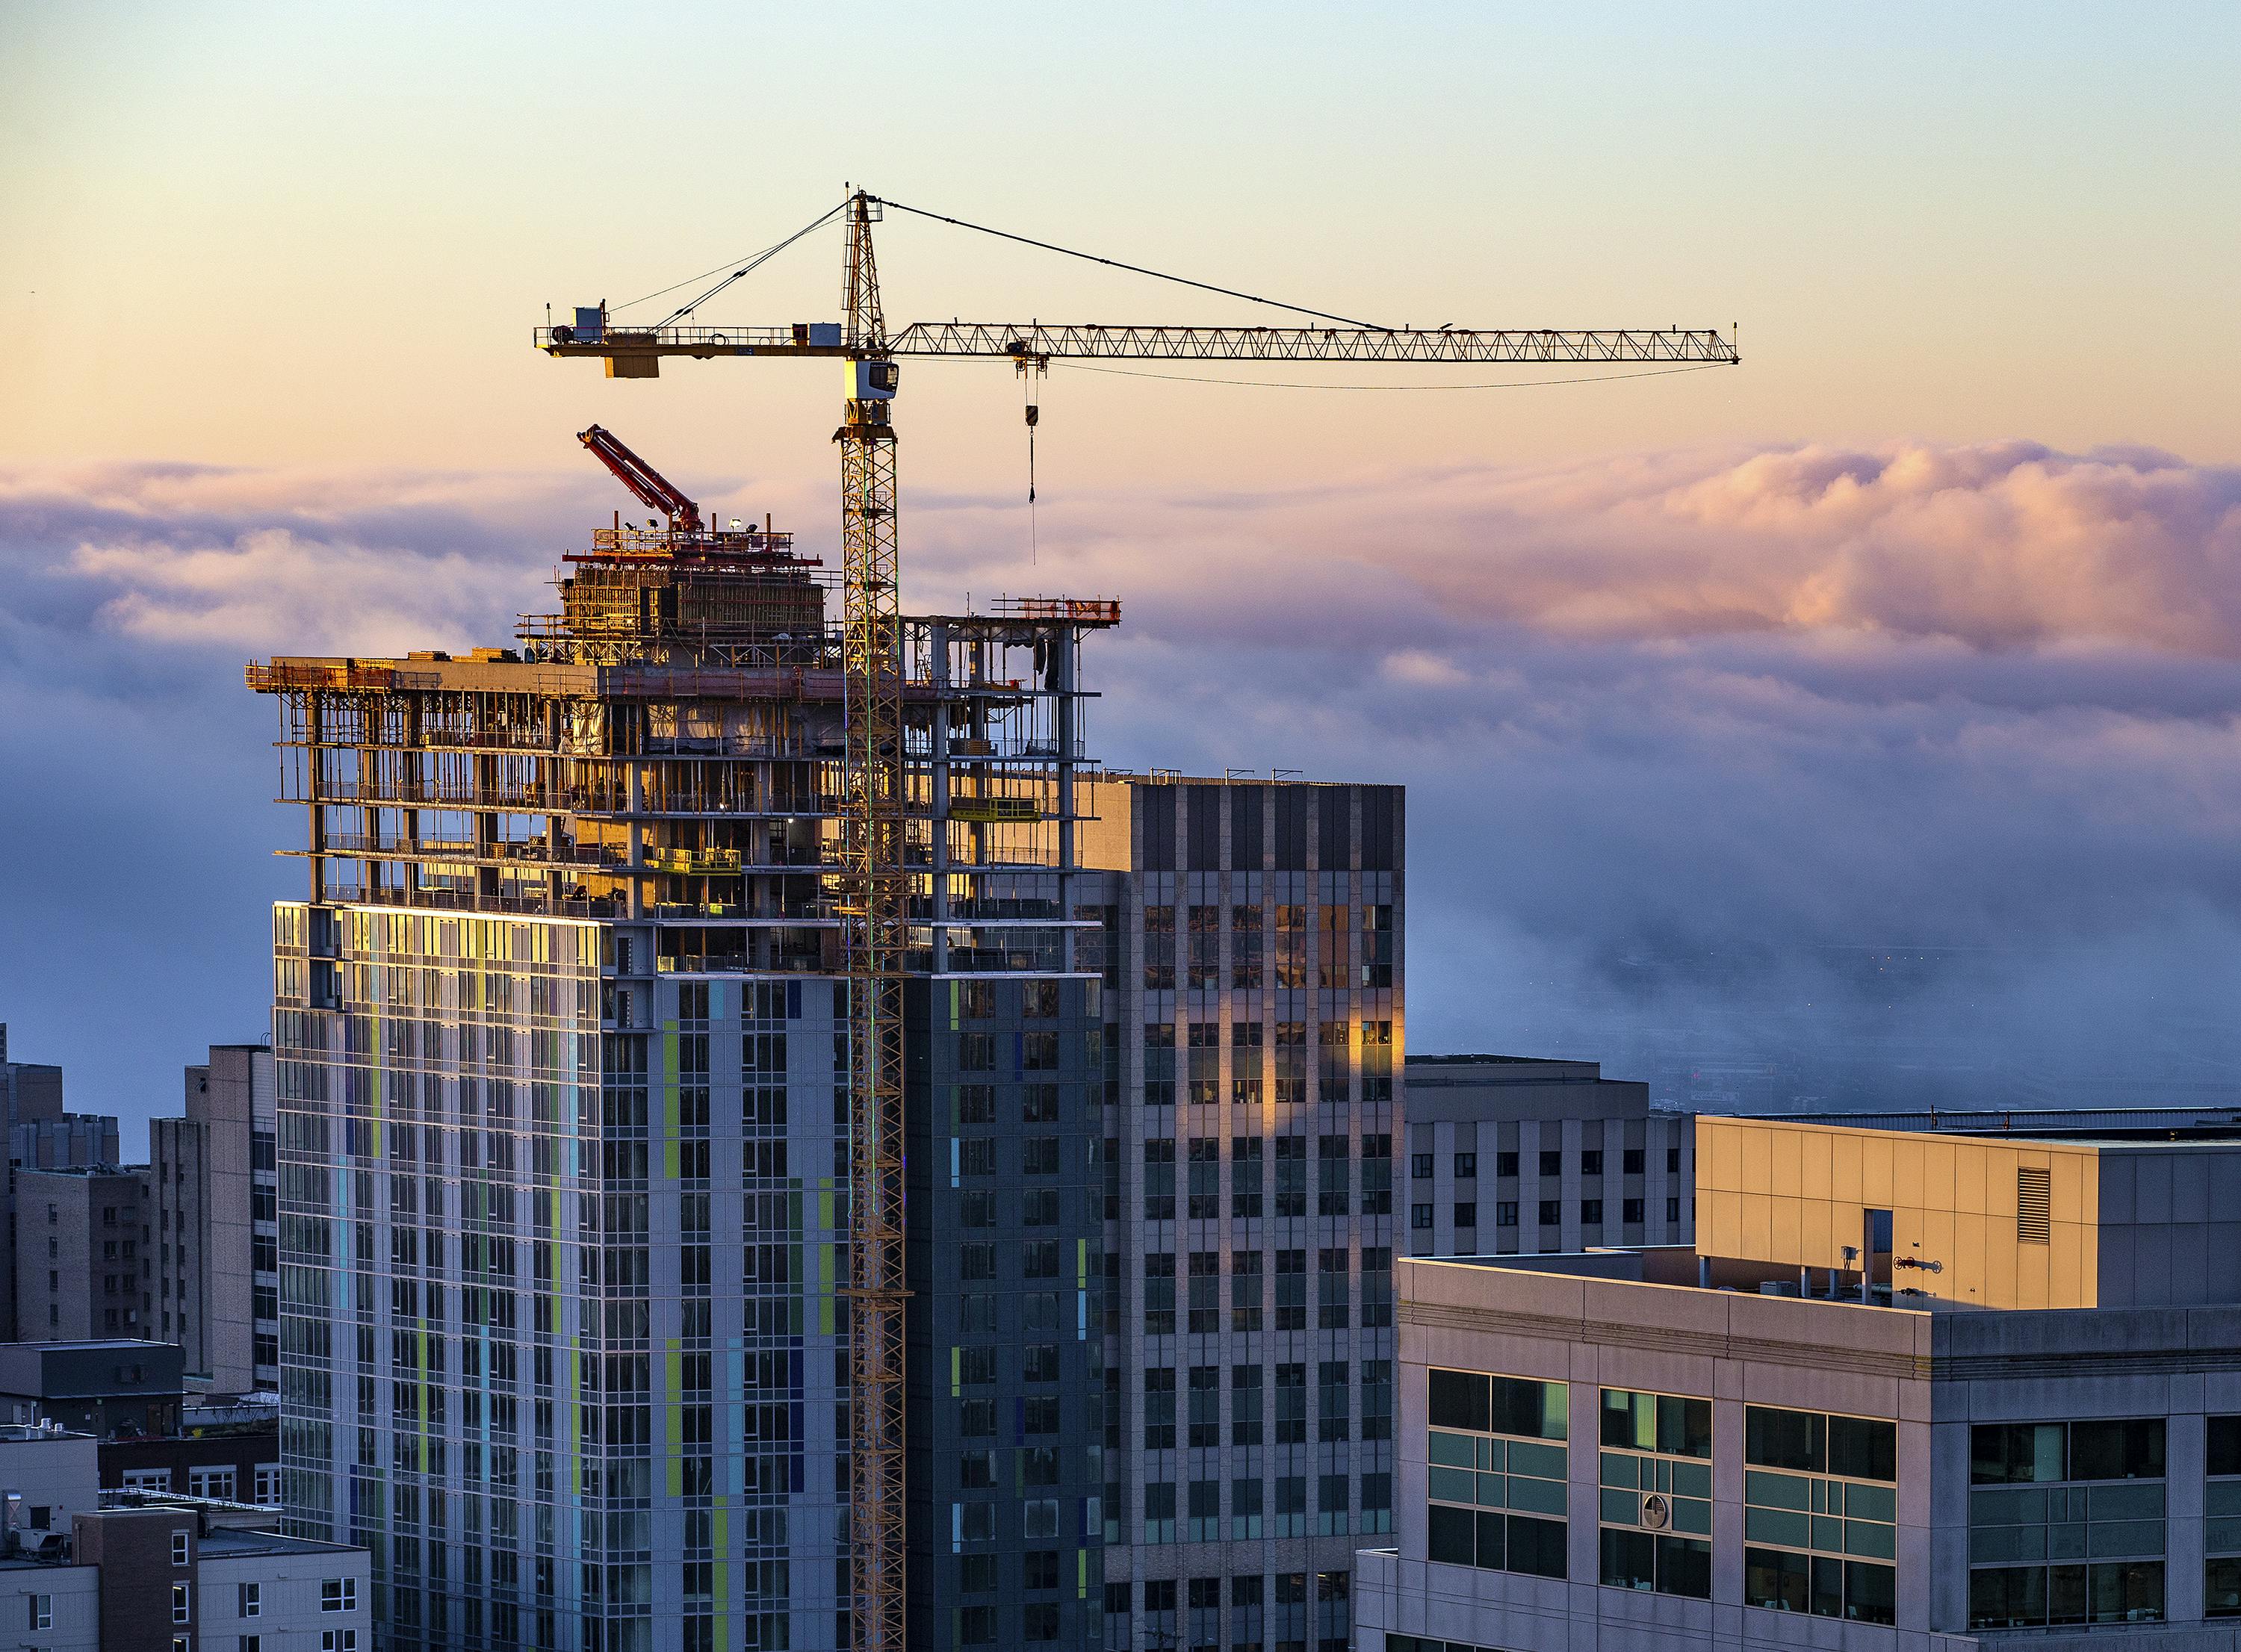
1779 777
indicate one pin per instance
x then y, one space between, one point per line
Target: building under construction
564 1072
561 1027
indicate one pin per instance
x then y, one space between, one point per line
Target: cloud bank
1770 774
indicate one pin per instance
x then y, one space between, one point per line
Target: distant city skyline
1920 626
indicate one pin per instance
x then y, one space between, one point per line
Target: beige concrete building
1907 1393
2006 1223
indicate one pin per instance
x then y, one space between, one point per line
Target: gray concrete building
39 1135
81 1253
213 1207
1253 936
1907 1391
1511 1153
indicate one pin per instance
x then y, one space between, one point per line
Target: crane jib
965 340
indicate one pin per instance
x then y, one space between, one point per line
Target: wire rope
1135 269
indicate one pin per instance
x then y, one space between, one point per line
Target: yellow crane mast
873 883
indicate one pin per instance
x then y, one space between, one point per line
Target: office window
1419 1215
42 1610
1630 1162
1466 1165
1591 1161
338 1640
1820 1511
1246 1291
1505 1212
1673 1209
2090 1494
250 1603
182 1607
1505 1164
179 1548
2221 1526
1673 1161
1591 1213
1467 1213
1656 1493
1630 1211
338 1595
1245 1405
1551 1212
1420 1167
1499 1467
1552 1162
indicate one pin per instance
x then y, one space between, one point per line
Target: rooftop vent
2033 1195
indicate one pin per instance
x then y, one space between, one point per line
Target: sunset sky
1920 628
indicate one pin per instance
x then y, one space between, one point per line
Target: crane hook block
1034 414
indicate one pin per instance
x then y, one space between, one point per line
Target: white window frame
183 1603
252 1601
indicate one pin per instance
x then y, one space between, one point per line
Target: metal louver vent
2033 1194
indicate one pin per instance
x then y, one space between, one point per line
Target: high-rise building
1252 948
561 1066
81 1240
213 1209
40 1135
1510 1154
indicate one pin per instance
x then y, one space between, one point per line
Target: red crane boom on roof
653 489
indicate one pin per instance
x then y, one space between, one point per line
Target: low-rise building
1511 1153
1907 1391
85 1571
103 1387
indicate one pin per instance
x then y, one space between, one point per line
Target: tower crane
873 882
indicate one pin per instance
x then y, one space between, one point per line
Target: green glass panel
1454 1450
1828 1532
2007 1508
1774 1526
2222 1535
2221 1497
1491 1454
1452 1485
1871 1538
2142 1499
2107 1537
1492 1492
1693 1515
1619 1469
2066 1542
1537 1496
1665 1475
1770 1490
1996 1545
1820 1496
1549 1462
1871 1503
1692 1479
1622 1507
